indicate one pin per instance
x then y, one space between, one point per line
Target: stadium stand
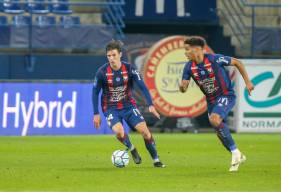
13 7
37 7
43 20
21 20
60 7
32 31
68 21
253 26
3 20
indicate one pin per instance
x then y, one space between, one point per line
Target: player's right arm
185 78
184 85
95 99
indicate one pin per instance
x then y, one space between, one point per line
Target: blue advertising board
48 109
170 11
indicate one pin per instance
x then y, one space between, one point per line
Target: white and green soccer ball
120 158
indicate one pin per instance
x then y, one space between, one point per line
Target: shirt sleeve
222 60
96 90
186 72
138 80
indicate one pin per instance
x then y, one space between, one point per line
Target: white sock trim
156 160
235 151
132 147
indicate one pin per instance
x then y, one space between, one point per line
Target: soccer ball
120 158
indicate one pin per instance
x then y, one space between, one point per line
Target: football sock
225 137
126 141
235 151
151 147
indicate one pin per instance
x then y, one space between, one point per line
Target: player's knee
120 134
143 129
147 135
215 120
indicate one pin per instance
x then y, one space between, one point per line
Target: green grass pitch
195 162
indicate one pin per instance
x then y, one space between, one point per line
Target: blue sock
225 137
125 141
151 147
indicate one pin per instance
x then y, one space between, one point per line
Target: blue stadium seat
1 7
21 20
60 7
12 7
3 20
43 20
37 6
68 21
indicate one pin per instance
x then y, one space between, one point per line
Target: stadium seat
43 20
12 7
1 6
37 7
3 20
21 20
68 21
60 7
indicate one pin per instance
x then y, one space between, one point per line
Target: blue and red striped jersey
116 86
210 75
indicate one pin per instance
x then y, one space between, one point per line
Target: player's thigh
118 129
143 129
133 117
222 107
215 119
112 118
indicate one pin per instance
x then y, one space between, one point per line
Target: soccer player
116 79
208 72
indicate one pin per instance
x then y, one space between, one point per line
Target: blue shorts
222 106
131 115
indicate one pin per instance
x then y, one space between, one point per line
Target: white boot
236 160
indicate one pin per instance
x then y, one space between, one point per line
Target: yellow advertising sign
162 74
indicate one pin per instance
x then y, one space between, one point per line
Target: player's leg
222 131
114 122
149 143
119 130
219 112
135 119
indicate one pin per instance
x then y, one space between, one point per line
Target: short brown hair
114 44
195 41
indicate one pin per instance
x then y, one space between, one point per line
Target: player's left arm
138 80
239 65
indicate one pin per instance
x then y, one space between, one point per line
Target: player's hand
153 111
250 87
182 89
97 121
183 86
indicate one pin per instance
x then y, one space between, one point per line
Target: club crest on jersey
202 72
118 79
